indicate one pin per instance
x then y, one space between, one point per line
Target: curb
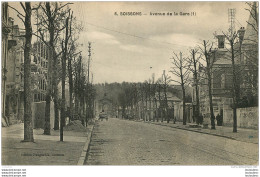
85 149
223 136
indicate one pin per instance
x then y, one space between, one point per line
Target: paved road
123 142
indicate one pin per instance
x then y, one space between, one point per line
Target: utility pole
88 96
89 57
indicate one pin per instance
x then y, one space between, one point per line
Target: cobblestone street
123 142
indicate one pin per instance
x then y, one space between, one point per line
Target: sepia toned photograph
129 84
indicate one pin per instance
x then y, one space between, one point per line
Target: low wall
246 117
227 116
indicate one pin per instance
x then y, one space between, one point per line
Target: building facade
13 70
246 70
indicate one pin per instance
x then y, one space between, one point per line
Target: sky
131 48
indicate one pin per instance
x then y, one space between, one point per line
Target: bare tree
50 19
235 87
26 19
194 67
253 10
180 69
28 127
249 50
64 45
141 95
165 84
146 98
158 90
206 50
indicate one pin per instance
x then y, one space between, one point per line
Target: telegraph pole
88 96
89 57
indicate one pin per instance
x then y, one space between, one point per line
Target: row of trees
57 28
200 63
147 100
144 97
197 69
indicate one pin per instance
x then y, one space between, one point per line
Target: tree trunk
28 127
64 50
47 129
155 116
197 111
70 88
184 104
48 96
166 105
63 95
146 105
210 102
159 109
165 97
235 88
212 118
55 91
87 109
150 102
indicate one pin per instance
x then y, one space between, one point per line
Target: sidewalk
46 150
244 135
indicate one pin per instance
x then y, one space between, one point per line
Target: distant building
105 105
157 108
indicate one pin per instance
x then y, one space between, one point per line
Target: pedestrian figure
200 119
218 120
174 120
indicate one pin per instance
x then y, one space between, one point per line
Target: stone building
246 63
13 70
157 108
12 74
5 32
105 105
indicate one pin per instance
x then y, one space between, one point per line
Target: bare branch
16 11
20 18
253 26
23 8
175 81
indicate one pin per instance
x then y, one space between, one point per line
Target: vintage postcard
130 83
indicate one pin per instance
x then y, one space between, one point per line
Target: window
222 80
228 81
216 79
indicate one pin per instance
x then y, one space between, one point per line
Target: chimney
221 41
241 33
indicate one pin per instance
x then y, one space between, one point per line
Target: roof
170 97
222 56
104 99
250 42
251 35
